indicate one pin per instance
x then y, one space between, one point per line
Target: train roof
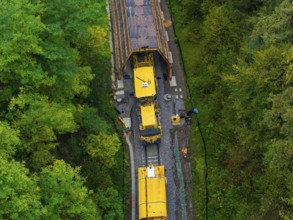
144 82
152 192
148 115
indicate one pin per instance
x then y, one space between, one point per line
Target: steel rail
128 48
166 46
122 11
119 39
156 25
116 32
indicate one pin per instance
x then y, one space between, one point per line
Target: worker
184 150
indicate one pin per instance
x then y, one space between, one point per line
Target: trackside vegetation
238 57
60 153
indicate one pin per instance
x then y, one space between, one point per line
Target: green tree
39 122
220 34
241 78
276 27
20 45
64 195
55 88
9 140
279 156
110 204
90 121
103 147
19 194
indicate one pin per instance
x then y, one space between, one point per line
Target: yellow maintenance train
139 33
152 200
145 86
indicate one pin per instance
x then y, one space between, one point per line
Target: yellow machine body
150 128
152 199
175 119
148 116
144 78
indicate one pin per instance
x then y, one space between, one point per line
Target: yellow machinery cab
144 77
149 126
152 199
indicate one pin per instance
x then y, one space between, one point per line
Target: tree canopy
238 58
55 88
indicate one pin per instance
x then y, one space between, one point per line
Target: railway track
151 155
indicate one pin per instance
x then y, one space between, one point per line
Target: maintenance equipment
145 84
145 87
149 123
152 198
175 119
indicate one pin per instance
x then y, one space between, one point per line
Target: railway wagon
145 84
152 199
149 124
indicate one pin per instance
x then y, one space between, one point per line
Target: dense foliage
60 155
238 57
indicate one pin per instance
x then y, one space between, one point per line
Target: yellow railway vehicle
145 84
152 199
149 123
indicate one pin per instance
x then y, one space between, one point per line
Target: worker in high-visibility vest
184 151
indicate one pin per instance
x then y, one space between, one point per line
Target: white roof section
151 172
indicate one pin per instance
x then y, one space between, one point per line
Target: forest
61 155
238 57
61 151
